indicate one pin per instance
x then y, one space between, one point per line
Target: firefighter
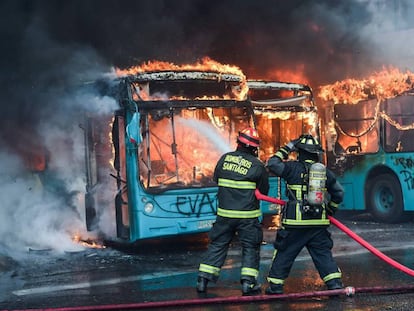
304 224
238 173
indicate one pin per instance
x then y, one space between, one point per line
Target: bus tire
385 198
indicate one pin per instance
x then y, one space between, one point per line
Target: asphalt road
161 275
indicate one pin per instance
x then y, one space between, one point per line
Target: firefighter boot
274 289
334 284
250 287
201 284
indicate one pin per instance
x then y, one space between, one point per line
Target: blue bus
370 146
171 127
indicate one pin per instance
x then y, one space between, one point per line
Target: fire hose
162 305
350 233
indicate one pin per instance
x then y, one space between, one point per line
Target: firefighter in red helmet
238 173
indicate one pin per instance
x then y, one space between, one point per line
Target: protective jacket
238 174
297 213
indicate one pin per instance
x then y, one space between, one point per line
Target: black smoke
48 45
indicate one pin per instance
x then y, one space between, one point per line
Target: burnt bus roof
270 96
199 84
172 75
263 84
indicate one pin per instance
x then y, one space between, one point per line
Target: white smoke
45 209
30 217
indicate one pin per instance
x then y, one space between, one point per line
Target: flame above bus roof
205 64
204 80
388 83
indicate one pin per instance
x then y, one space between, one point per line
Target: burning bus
172 125
370 142
283 111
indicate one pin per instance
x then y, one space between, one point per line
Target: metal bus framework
283 111
370 146
168 133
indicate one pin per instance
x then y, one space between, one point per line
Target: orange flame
206 64
87 242
387 83
297 76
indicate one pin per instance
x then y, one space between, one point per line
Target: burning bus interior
283 110
357 128
398 124
369 114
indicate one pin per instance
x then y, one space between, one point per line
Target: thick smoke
51 48
43 99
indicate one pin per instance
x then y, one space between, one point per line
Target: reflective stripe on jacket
238 174
293 173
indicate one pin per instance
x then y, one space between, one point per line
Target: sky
49 48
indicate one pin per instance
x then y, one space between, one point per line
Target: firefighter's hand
330 210
292 144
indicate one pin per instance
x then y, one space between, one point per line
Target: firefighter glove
291 146
330 209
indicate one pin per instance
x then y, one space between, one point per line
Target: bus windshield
180 147
188 119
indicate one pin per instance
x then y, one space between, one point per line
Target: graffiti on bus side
407 172
201 204
408 179
405 162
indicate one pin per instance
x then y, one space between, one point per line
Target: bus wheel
385 199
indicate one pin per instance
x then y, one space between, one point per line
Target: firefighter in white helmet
314 193
238 173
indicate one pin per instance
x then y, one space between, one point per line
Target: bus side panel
403 166
349 198
353 181
174 212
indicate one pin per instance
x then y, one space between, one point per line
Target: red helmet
249 137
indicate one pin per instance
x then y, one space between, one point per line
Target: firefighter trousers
250 235
290 242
